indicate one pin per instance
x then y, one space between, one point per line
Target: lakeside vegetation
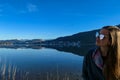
12 72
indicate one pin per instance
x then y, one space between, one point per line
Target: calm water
40 61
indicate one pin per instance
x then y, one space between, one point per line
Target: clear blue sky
49 19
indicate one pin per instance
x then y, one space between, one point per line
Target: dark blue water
41 60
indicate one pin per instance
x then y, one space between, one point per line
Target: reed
12 72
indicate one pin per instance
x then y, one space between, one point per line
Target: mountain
78 43
78 39
84 38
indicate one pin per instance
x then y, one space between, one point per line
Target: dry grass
12 72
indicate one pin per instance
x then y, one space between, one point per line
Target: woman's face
103 39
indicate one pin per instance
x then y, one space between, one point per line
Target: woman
103 63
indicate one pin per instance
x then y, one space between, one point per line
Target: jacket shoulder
91 51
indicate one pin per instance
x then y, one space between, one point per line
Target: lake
39 64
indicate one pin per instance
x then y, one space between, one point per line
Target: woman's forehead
104 31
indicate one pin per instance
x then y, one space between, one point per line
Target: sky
49 19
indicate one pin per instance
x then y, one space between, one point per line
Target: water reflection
30 64
38 63
81 51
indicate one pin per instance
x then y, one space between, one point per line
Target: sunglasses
100 36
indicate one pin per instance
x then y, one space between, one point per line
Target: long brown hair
111 69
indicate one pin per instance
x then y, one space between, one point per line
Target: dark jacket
90 71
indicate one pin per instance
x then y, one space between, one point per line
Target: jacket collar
97 58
